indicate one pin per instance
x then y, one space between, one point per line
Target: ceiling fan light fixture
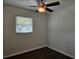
41 10
41 7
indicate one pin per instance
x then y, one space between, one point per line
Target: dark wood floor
43 53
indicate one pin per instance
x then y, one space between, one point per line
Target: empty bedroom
39 29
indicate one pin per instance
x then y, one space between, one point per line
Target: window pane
23 24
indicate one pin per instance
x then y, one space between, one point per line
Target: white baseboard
39 48
61 52
23 52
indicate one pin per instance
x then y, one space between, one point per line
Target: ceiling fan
42 7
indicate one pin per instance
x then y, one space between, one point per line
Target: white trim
61 52
23 51
39 48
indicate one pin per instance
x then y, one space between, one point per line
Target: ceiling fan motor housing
42 4
41 7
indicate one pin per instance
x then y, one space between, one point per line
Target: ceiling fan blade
53 4
31 6
36 10
49 10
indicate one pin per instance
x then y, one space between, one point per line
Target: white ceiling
26 3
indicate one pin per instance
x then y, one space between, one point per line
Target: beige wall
60 25
61 30
14 43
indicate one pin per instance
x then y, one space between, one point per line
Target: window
23 24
